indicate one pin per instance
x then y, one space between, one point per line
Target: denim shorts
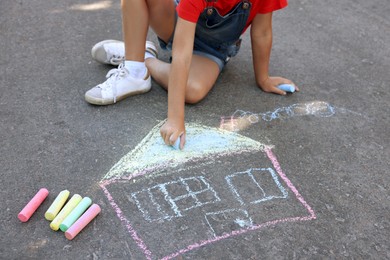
217 37
168 46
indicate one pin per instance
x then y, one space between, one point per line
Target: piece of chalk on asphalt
287 87
83 221
57 205
176 145
65 211
33 205
75 214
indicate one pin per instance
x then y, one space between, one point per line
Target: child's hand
271 85
172 130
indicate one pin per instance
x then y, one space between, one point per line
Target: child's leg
197 87
132 76
135 22
161 16
162 19
137 15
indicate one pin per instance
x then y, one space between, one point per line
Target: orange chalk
83 221
33 205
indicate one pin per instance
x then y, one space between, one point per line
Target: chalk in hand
72 203
287 87
57 204
176 145
75 214
33 205
83 221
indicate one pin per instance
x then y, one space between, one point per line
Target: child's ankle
149 55
136 69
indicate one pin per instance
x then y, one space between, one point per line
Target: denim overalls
218 37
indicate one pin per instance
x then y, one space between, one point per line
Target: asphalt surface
322 160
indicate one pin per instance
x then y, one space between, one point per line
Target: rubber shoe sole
101 102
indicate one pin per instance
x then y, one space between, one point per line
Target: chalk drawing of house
158 192
152 210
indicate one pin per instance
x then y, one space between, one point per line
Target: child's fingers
182 140
278 91
165 135
172 139
177 141
167 139
295 86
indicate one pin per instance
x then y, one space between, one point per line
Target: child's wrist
263 80
175 117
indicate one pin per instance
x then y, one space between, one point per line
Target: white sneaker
113 51
119 85
109 52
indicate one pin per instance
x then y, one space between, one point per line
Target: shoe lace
113 76
115 52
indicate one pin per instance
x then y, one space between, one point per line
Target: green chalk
75 214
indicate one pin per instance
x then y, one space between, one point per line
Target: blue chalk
176 145
287 87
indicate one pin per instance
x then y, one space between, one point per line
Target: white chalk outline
172 201
240 222
250 174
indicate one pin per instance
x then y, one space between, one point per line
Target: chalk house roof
202 142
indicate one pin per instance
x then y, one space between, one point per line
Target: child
206 35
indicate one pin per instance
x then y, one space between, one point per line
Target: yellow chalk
72 203
57 204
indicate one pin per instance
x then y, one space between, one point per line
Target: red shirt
190 10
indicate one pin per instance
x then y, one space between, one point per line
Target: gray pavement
304 176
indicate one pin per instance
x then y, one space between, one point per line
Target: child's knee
193 99
195 93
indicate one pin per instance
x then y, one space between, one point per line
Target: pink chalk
83 221
32 206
